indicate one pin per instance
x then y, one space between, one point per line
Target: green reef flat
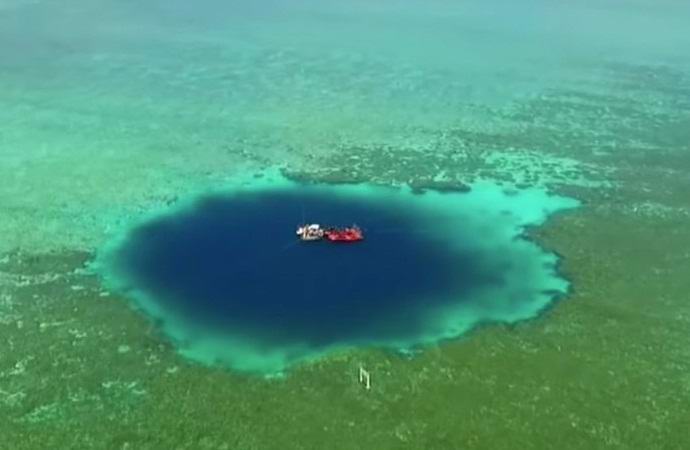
113 112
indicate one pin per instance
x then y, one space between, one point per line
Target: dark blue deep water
233 264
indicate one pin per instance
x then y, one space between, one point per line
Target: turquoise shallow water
308 73
230 285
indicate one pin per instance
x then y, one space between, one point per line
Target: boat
314 232
347 234
310 232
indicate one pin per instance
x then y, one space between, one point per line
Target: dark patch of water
234 264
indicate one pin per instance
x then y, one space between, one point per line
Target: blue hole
232 283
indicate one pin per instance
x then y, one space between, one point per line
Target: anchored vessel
314 232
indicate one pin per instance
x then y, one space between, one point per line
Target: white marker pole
364 378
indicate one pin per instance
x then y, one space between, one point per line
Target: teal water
299 76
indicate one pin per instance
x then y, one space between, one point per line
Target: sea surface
562 129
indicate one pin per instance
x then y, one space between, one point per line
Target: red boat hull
344 235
